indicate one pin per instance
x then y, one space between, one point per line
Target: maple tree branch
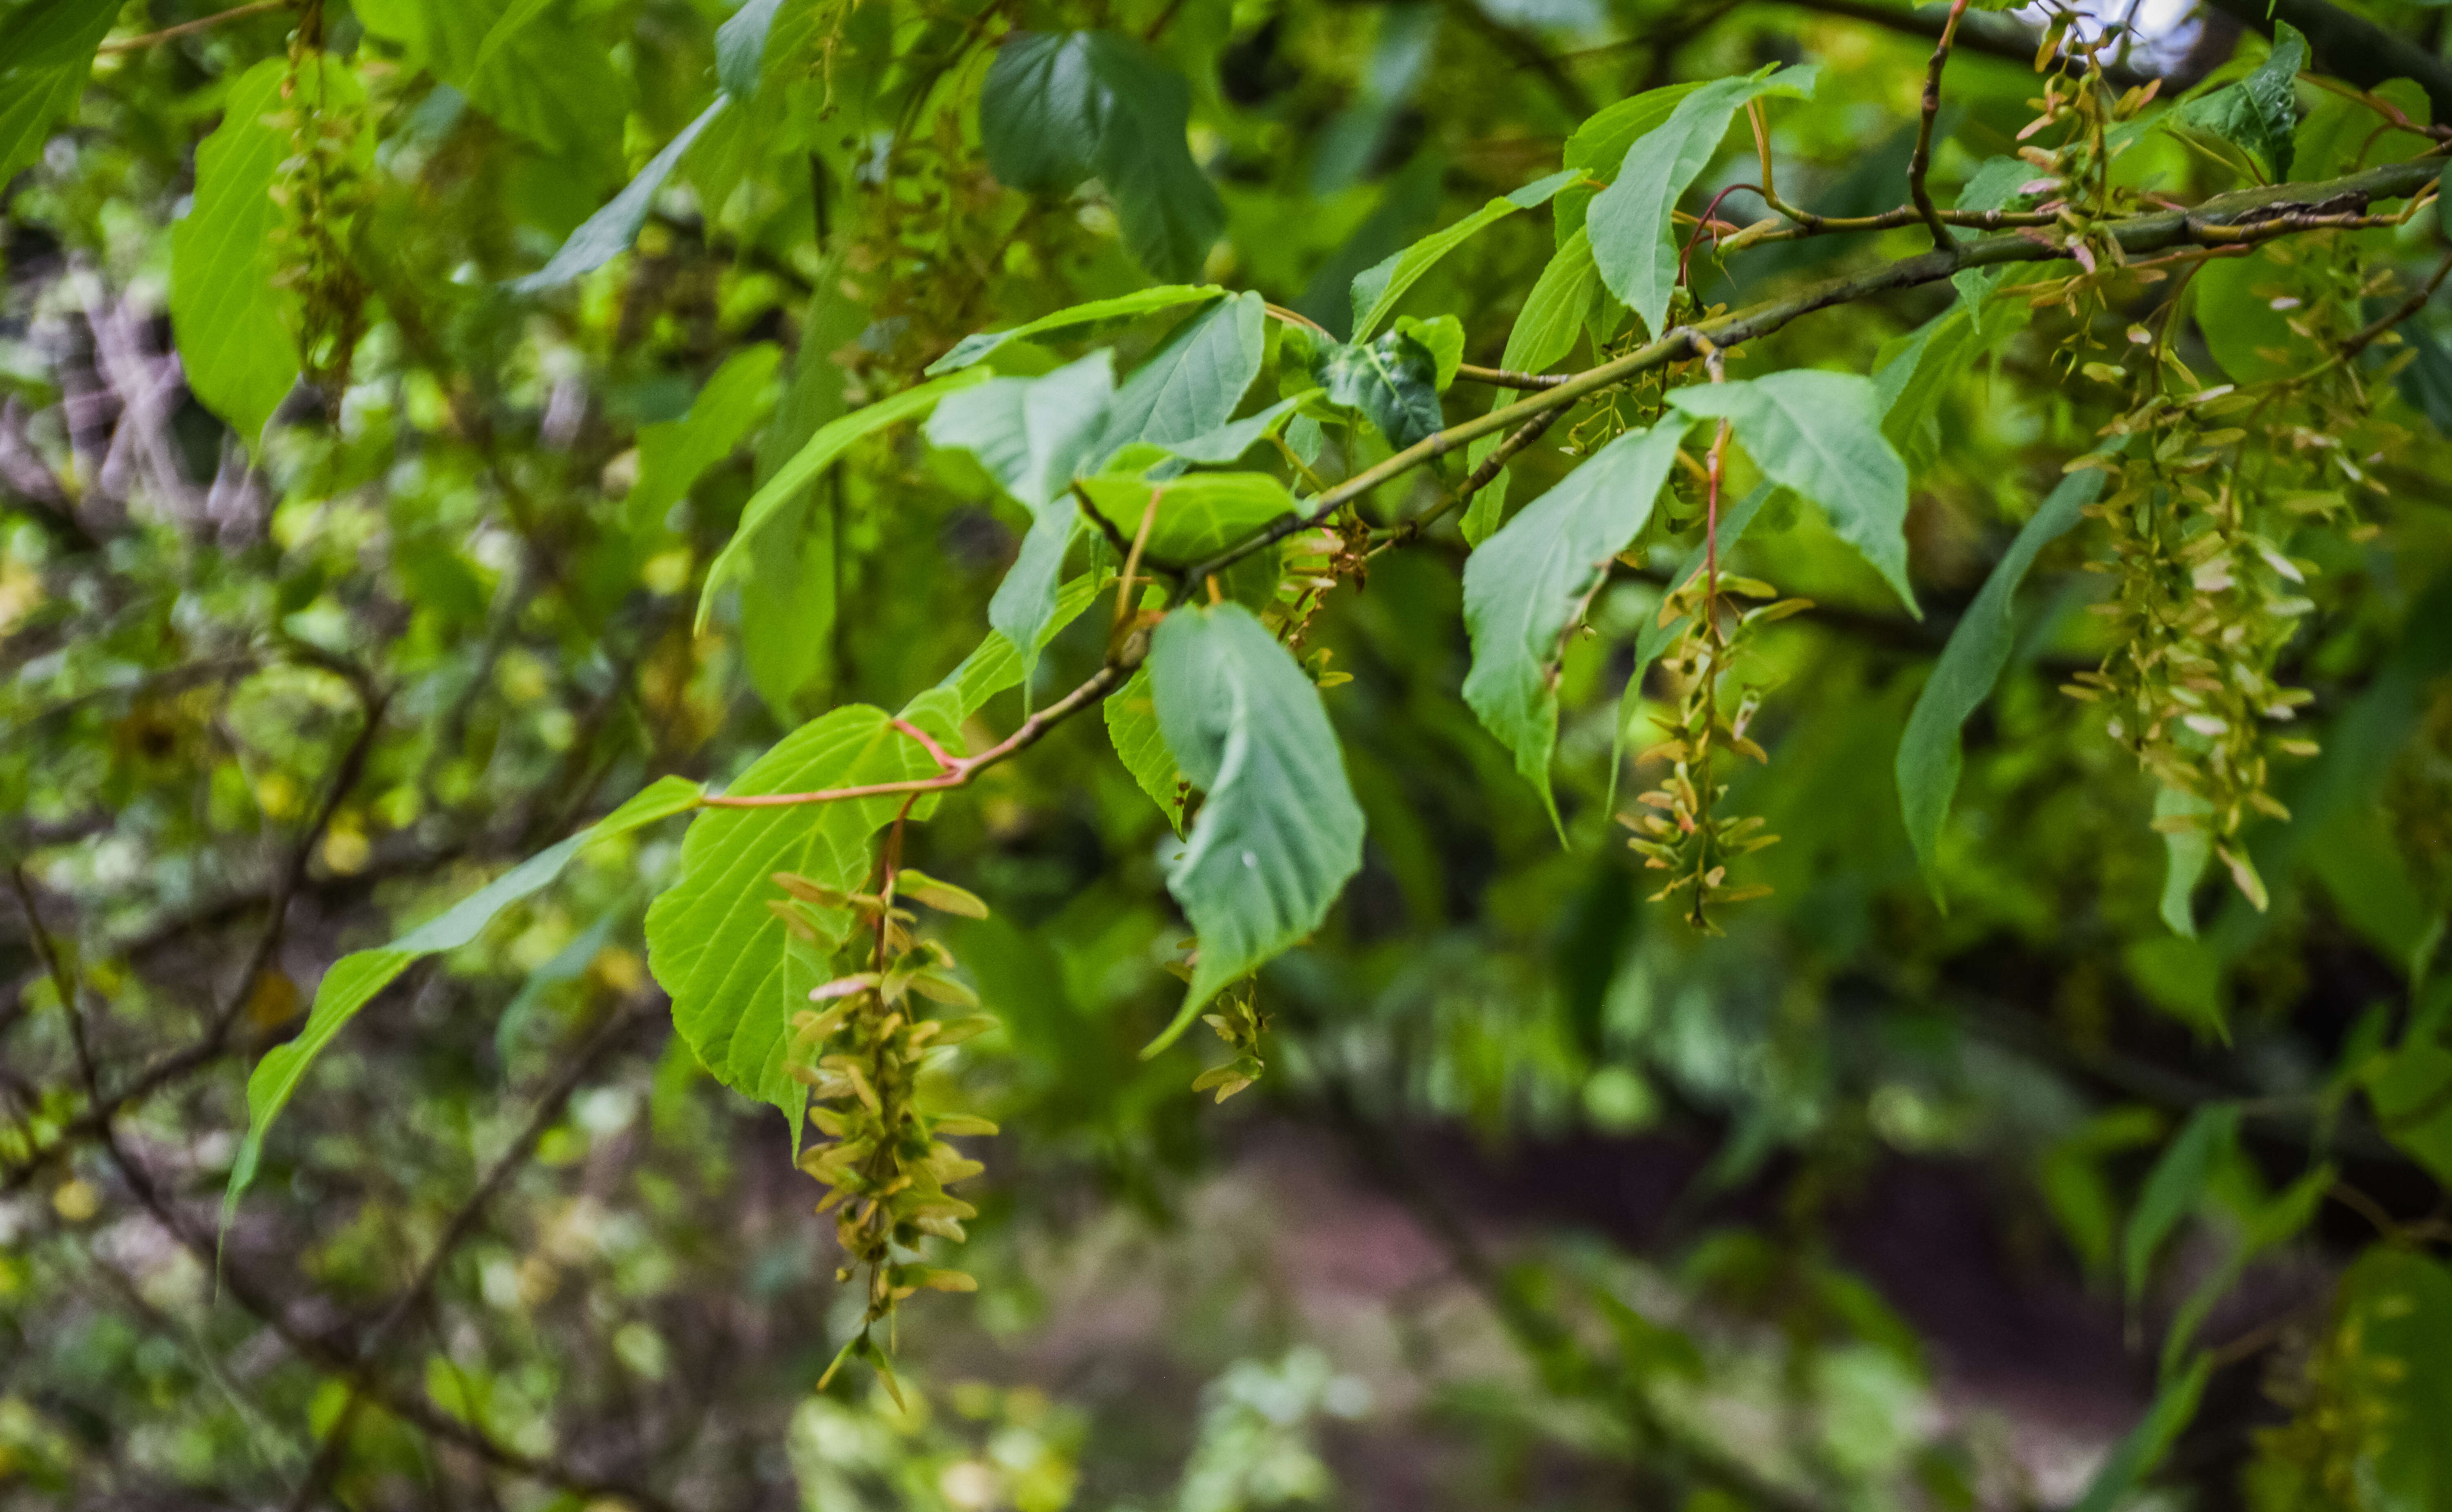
1920 161
200 23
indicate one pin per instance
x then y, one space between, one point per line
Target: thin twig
201 22
2351 348
1921 160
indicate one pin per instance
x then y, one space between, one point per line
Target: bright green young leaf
47 50
1278 831
787 601
233 322
2260 114
829 443
713 943
2186 852
1443 338
673 453
1630 220
2174 1188
1197 514
1526 586
996 665
609 232
1394 379
2135 1456
1553 313
1379 289
355 978
1820 433
1190 386
976 347
1969 665
1598 148
1033 435
1058 107
546 80
1131 726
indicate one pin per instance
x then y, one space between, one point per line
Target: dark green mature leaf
1197 514
1190 386
1131 726
30 101
2260 114
1228 443
2135 1456
740 48
1820 433
1524 587
1075 318
355 978
609 232
2412 1092
1278 833
1033 435
1394 379
1630 220
1962 678
714 944
2174 1188
828 444
673 453
1379 289
233 320
1058 107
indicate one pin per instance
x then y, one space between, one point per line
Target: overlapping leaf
1525 585
1278 833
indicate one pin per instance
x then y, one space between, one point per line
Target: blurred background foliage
1544 1202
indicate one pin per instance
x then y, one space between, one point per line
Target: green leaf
829 443
1820 433
2260 114
47 50
1197 514
1630 220
2174 1188
1553 313
1058 107
1598 147
1994 187
1228 443
1031 435
40 35
609 232
2276 1221
1378 288
1190 386
787 601
714 944
1525 586
233 321
355 978
673 453
1928 756
996 665
1131 726
2135 1456
1075 318
740 48
1278 833
2186 856
2412 1093
1913 374
1443 338
30 101
544 80
1393 380
514 18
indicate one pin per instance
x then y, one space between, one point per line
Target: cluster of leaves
622 400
